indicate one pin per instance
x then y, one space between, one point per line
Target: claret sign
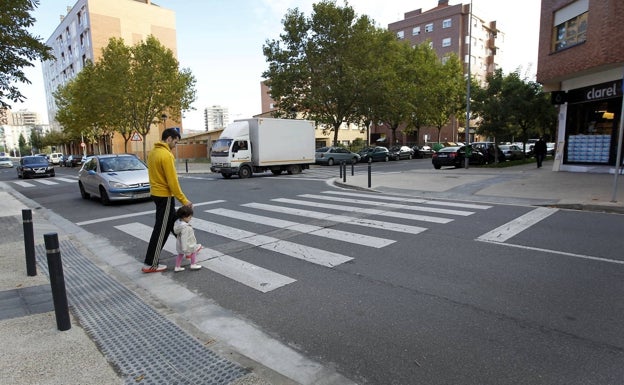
596 92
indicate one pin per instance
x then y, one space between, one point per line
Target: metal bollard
352 168
57 281
340 167
344 171
370 162
186 163
29 243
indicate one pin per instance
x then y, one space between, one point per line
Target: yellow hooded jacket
162 173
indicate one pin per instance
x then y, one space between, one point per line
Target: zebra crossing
346 208
44 181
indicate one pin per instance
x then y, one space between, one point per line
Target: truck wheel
294 169
226 176
330 161
244 172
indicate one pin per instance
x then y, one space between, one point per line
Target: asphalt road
423 294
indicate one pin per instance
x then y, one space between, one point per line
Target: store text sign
596 92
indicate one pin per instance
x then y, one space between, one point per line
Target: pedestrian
186 244
540 151
164 190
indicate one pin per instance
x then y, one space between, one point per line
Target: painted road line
472 206
564 253
361 210
141 213
24 184
345 236
306 253
46 182
389 205
243 272
375 224
63 179
518 225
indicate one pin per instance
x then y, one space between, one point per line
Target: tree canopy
134 87
510 107
321 66
18 48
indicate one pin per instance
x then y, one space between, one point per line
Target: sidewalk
524 184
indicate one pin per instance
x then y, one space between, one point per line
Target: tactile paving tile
145 346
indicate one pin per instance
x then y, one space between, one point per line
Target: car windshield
221 147
118 164
322 149
35 159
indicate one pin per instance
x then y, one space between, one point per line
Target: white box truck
249 146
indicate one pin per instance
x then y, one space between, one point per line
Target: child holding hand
186 244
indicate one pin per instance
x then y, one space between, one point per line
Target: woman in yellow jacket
164 189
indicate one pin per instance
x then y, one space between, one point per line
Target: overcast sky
221 42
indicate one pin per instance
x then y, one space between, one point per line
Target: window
416 31
446 42
400 35
570 25
429 27
447 23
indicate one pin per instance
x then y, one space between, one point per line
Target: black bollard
344 171
57 281
352 168
186 163
340 167
370 162
29 243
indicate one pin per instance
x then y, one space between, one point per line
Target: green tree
36 140
156 86
18 48
319 67
135 87
509 106
446 93
21 144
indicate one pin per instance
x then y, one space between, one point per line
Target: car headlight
118 185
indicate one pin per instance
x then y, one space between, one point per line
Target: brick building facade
581 61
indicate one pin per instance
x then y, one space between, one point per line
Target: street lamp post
467 127
164 118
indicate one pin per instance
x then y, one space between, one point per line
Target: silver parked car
335 155
113 178
5 161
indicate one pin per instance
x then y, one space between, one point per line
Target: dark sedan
455 157
400 152
32 166
376 154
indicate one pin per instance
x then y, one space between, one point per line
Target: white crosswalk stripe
246 273
345 236
386 205
24 184
306 253
472 206
370 223
355 209
48 182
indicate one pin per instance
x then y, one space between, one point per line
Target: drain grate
145 346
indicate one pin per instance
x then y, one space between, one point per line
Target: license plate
442 155
39 171
141 195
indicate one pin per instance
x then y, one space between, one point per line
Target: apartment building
216 118
87 27
447 29
581 62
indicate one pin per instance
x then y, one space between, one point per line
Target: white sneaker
177 269
195 267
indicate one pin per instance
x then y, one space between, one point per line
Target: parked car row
331 155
